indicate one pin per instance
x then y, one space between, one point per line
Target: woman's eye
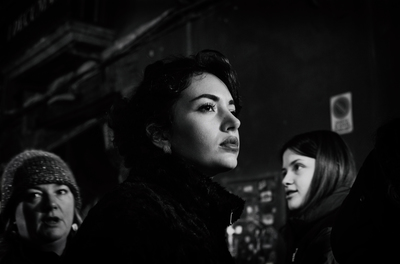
62 191
32 196
297 167
208 107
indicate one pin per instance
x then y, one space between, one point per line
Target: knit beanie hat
33 167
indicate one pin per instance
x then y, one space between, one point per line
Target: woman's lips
51 221
290 193
231 144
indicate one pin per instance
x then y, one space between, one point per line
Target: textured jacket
168 213
308 237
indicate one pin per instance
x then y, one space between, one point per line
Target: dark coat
19 254
308 237
166 214
367 228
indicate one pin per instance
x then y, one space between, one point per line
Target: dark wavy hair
334 163
153 100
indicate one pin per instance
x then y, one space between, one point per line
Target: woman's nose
231 122
50 202
287 180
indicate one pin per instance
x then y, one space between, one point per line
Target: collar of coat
324 208
190 187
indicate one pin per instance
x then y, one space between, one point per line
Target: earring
167 149
13 228
74 227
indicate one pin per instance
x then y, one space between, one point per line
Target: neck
57 246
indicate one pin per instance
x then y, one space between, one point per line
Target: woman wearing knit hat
178 130
40 204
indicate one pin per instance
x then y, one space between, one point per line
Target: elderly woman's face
205 128
45 213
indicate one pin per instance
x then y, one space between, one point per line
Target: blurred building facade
63 63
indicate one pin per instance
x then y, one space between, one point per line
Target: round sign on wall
341 113
341 107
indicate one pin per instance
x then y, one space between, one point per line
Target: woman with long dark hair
318 170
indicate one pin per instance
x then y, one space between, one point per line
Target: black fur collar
188 185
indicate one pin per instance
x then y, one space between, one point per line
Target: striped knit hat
33 167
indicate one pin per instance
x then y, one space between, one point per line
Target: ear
158 137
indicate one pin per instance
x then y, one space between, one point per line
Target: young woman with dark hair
177 131
318 171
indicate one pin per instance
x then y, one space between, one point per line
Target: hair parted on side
334 163
149 109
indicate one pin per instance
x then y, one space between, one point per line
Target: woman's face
297 171
45 213
204 128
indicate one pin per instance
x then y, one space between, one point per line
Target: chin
216 166
227 166
53 236
293 207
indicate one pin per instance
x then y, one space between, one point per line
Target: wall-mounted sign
341 113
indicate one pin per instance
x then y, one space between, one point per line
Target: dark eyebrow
291 163
210 96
